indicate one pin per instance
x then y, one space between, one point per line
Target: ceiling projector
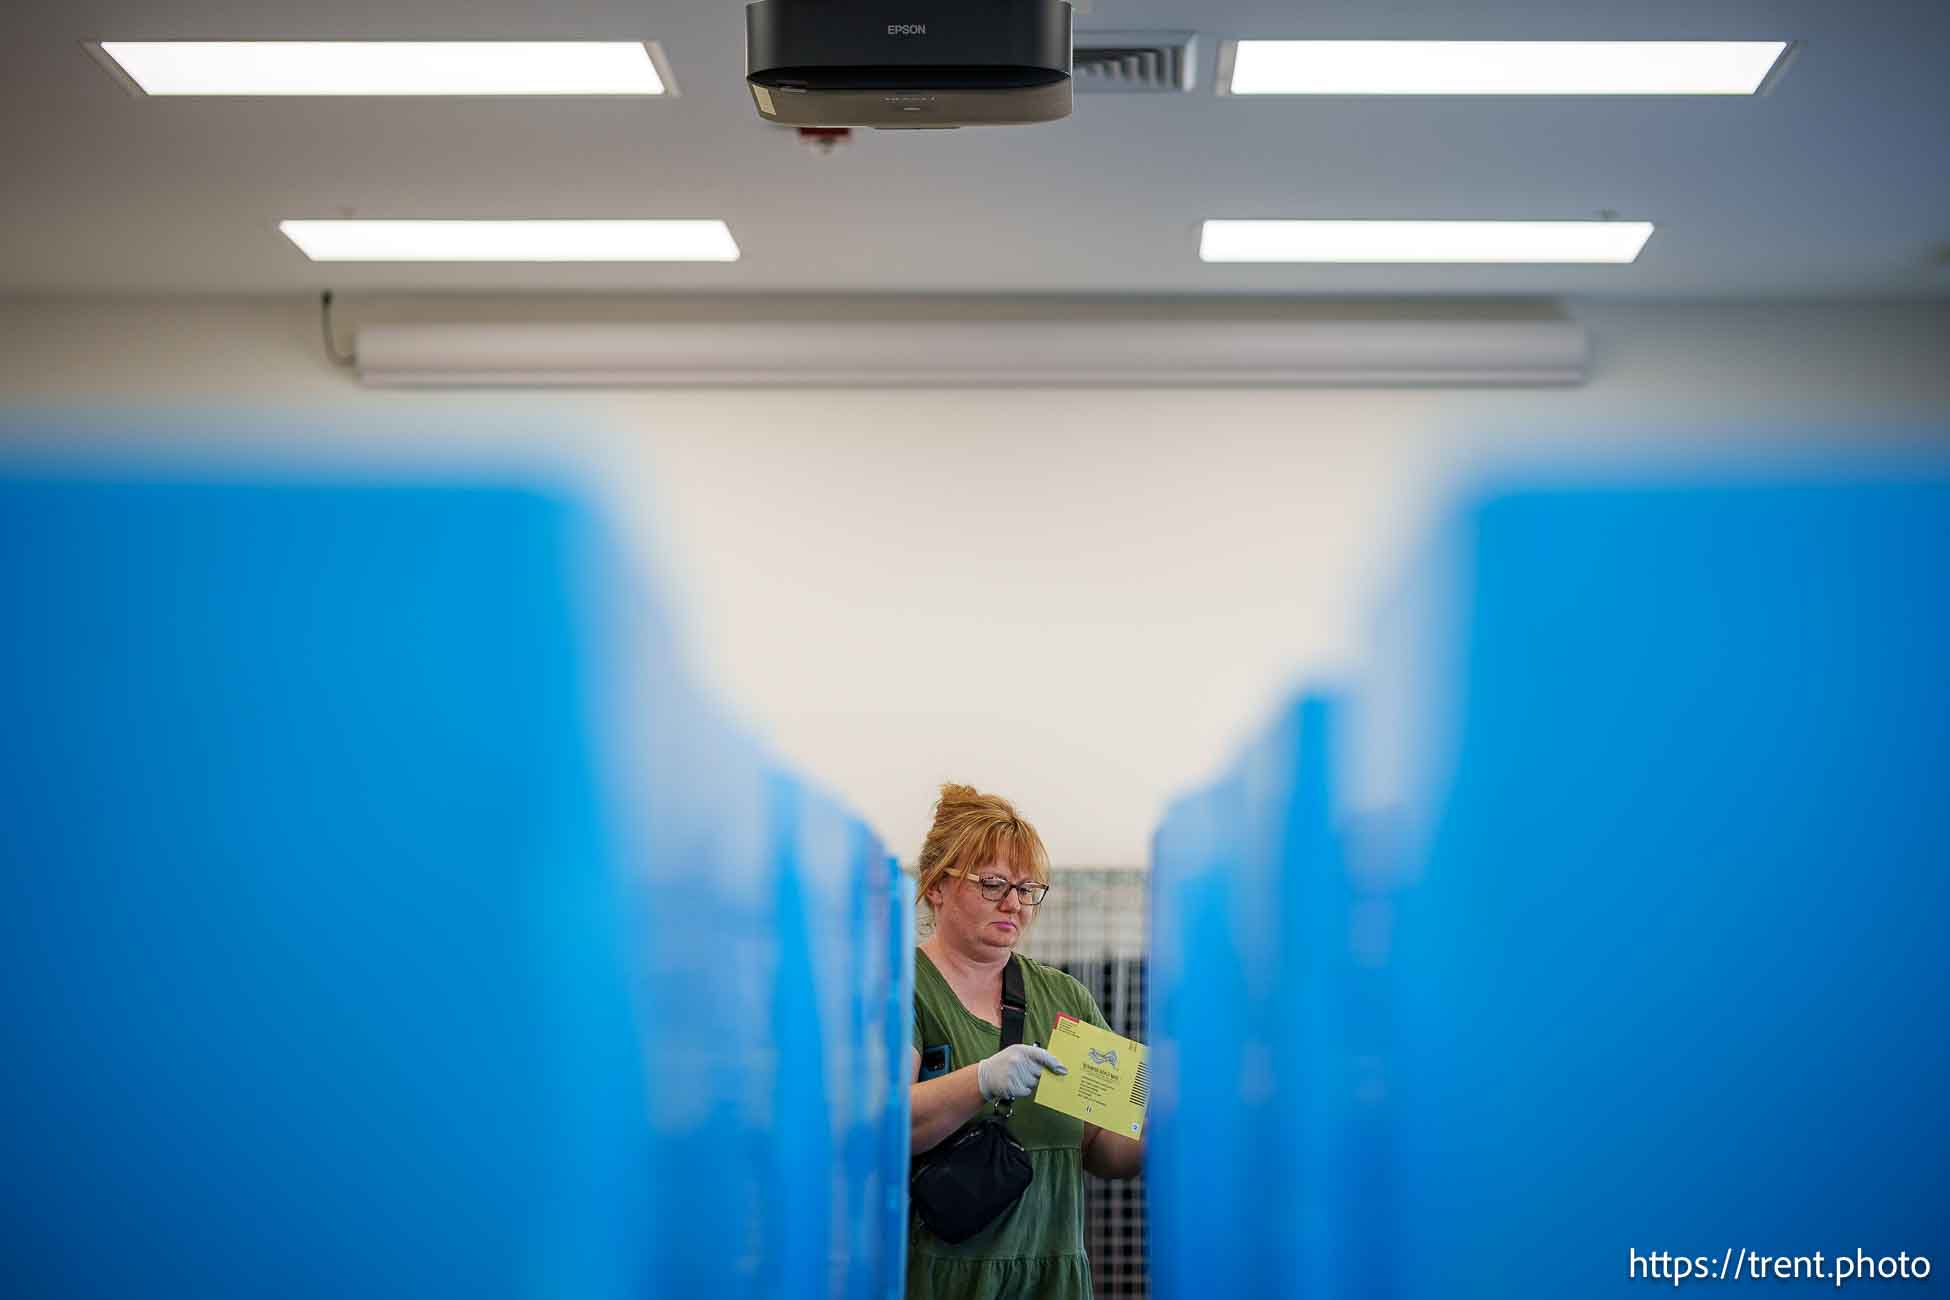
908 64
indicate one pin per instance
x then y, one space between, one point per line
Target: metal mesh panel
1093 925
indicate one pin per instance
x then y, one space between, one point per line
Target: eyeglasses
994 887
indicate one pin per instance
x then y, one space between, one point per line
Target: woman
982 871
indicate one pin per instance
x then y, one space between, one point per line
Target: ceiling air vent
1133 62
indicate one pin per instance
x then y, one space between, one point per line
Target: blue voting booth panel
1304 994
897 1034
807 1060
718 877
387 913
875 1114
1667 966
1251 1179
837 1089
319 978
1633 947
1197 1180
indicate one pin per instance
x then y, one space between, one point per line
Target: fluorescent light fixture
513 241
1423 241
389 67
1496 67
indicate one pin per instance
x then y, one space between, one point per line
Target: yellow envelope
1107 1084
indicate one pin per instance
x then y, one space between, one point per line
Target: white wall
1075 598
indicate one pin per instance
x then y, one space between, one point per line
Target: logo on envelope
1103 1058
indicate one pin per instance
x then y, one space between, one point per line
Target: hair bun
956 799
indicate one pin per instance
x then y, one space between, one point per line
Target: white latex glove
1012 1072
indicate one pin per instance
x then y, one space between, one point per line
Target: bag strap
1015 1003
1015 1008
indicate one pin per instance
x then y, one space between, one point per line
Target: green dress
1034 1251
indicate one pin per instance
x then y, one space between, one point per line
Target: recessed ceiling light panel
513 241
486 68
1423 241
1496 67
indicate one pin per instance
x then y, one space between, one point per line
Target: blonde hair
970 831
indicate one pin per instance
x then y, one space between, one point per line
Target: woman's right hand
1012 1072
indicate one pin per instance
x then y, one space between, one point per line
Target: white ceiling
1835 184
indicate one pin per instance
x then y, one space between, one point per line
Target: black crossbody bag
964 1184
